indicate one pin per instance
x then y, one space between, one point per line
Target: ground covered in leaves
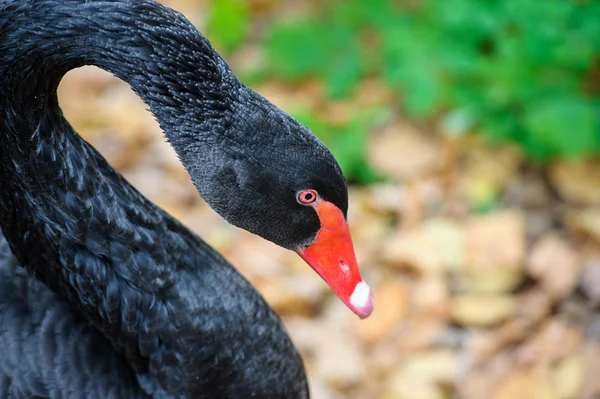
485 268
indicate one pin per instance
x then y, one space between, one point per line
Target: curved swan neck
156 50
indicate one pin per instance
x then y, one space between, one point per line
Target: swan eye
307 196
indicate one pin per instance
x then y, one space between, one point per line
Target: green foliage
560 125
228 25
313 47
512 70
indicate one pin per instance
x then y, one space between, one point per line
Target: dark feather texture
125 290
48 350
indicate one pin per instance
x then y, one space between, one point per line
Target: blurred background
470 134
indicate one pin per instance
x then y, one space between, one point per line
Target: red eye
307 196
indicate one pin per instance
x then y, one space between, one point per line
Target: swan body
50 351
107 295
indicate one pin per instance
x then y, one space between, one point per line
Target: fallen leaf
555 265
554 341
435 246
495 242
591 384
477 310
534 306
577 182
437 365
405 387
402 152
387 197
525 384
431 296
567 377
393 297
421 375
369 233
337 356
296 294
586 221
419 333
489 282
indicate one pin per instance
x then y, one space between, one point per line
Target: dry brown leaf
387 197
406 388
567 377
296 294
402 152
555 265
586 221
495 241
578 182
435 246
431 296
534 306
339 360
337 356
421 375
482 310
489 282
394 299
525 384
480 382
591 382
419 333
369 230
554 341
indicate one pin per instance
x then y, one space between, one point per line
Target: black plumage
48 349
119 299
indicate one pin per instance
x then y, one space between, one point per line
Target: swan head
264 172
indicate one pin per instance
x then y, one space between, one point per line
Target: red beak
331 255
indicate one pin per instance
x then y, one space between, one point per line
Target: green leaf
345 65
360 14
228 24
561 126
499 126
411 66
298 50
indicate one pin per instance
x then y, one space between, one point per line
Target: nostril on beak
344 266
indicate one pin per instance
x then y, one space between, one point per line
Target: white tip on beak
362 300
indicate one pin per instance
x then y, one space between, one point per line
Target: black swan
117 299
